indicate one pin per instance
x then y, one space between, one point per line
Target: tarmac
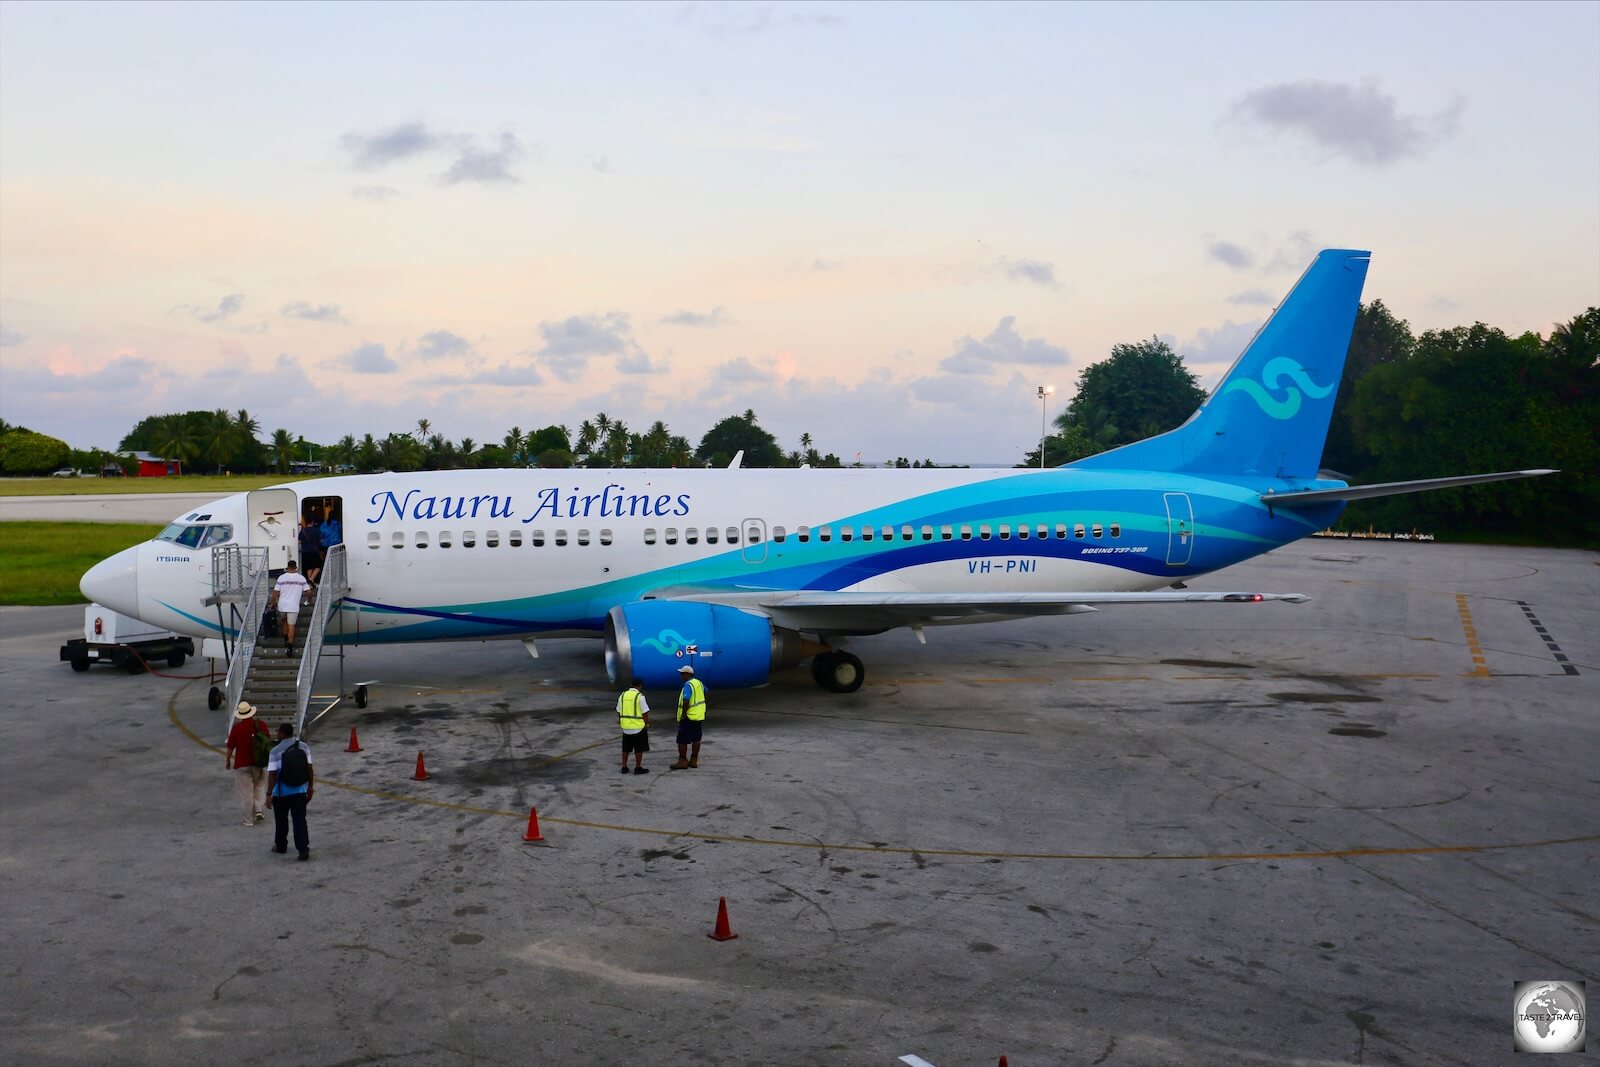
1332 833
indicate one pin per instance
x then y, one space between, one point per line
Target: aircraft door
1180 528
755 540
273 523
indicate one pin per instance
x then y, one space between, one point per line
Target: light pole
1044 393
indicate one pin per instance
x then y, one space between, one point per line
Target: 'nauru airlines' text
612 502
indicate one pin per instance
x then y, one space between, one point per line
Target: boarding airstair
261 669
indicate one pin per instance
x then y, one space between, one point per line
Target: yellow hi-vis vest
694 690
628 710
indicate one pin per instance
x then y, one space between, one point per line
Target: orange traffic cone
722 932
533 833
422 770
1003 1062
355 743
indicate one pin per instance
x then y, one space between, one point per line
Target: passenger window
1061 531
1116 529
778 534
1077 530
752 535
583 537
846 532
421 539
907 533
398 539
1044 531
1005 533
374 539
866 533
445 538
469 539
672 535
984 532
927 533
825 533
733 535
515 537
492 538
711 535
803 535
605 537
1022 532
1097 530
691 536
649 537
560 538
966 533
536 538
946 533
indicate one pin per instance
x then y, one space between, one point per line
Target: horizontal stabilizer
1307 497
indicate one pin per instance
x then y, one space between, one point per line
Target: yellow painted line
1022 680
1480 667
903 850
1110 678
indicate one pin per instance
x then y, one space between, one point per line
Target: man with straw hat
246 757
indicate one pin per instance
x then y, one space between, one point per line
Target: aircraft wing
1297 498
818 611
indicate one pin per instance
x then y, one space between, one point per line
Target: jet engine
727 647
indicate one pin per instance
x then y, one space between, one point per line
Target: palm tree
423 426
679 453
587 436
220 438
282 449
467 451
805 442
173 438
515 443
343 454
616 447
367 455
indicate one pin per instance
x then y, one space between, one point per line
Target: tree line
1465 400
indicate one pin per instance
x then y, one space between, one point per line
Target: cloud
1211 351
372 151
370 358
821 265
742 372
1229 254
439 344
312 312
570 343
226 307
1360 122
122 375
488 167
1253 296
376 194
714 317
1030 270
10 337
506 375
1002 346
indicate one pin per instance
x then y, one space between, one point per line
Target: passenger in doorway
310 548
290 786
289 590
332 531
241 757
691 718
633 711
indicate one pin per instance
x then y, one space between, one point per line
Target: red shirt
239 741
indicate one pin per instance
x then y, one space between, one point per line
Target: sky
881 225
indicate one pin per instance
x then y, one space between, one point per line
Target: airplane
740 573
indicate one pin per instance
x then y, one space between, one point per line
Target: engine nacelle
728 648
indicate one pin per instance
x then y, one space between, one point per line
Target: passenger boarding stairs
261 669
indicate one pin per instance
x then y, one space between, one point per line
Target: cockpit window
217 535
196 536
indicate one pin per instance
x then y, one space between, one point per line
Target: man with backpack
289 789
249 745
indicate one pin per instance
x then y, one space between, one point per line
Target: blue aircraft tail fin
1268 417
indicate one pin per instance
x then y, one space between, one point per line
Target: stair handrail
332 585
244 642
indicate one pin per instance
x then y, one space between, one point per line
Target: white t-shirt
291 586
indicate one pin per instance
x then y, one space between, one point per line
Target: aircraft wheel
361 696
844 673
175 659
819 668
214 698
134 665
80 663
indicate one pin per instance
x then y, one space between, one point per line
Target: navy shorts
689 732
639 742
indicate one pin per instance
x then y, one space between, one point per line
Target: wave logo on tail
1271 376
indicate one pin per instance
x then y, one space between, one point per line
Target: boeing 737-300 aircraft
744 572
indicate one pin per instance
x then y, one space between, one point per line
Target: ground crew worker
634 713
691 717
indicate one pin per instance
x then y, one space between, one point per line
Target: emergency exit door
1180 529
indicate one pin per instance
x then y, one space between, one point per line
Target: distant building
153 466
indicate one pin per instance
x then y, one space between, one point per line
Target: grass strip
220 484
41 562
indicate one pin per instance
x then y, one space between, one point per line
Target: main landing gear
838 672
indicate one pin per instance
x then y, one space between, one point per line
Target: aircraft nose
114 582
